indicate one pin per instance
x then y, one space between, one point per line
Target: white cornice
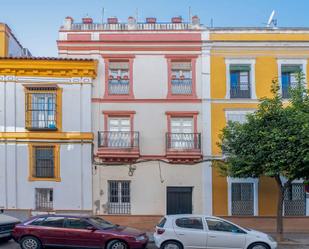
58 80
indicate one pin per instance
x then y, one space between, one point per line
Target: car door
190 231
79 234
49 230
224 235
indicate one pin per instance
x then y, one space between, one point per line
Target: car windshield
102 224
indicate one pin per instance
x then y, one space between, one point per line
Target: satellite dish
271 20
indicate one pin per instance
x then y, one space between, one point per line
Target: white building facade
147 115
45 135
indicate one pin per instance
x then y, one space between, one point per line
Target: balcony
183 147
118 87
236 93
118 146
182 86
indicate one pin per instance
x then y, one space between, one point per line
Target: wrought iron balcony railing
236 92
118 139
182 86
183 141
120 87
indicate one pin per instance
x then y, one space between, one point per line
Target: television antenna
272 23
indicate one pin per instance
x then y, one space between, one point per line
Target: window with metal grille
43 162
295 200
119 200
288 78
43 199
242 199
41 108
240 81
118 78
181 78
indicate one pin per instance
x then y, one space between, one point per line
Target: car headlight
140 238
270 238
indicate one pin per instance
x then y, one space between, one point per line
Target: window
182 136
288 78
42 108
76 223
119 132
162 222
37 222
222 226
242 198
43 199
53 222
118 78
295 200
240 81
192 223
119 199
181 81
44 162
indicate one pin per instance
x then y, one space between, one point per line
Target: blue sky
36 22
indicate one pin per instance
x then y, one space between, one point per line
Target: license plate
2 235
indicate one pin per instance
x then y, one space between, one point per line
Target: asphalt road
12 245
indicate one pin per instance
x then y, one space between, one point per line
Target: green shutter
291 68
240 67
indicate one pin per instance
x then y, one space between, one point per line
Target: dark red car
76 232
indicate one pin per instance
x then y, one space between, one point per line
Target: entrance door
179 200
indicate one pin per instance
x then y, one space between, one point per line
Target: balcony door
119 132
182 136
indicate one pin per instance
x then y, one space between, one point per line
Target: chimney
151 20
112 20
177 19
68 21
131 23
87 20
195 21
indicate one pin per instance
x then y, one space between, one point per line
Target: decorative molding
39 79
48 68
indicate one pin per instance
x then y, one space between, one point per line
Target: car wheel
171 245
30 242
116 244
258 246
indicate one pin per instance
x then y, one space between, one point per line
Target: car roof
62 215
189 215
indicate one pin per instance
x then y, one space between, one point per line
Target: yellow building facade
243 63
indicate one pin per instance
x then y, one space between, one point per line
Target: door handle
212 236
181 234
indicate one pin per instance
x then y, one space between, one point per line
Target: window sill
181 96
36 179
41 129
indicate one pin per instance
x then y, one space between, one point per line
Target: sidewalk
301 239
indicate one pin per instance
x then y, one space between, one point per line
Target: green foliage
274 141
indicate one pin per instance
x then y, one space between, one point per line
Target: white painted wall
76 107
148 186
72 193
